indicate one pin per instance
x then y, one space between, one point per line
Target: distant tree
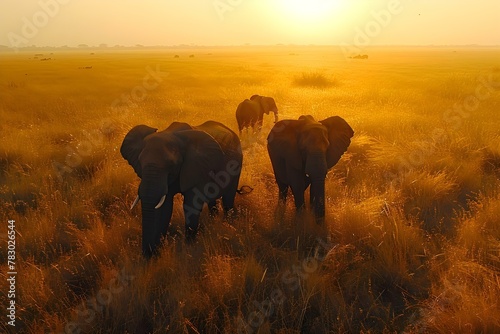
103 45
83 46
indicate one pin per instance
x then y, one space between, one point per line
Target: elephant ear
202 155
133 144
339 136
283 141
268 104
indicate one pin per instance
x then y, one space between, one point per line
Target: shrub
314 79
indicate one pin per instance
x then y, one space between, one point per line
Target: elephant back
247 109
227 139
179 126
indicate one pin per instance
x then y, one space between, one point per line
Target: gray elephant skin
301 153
251 112
202 163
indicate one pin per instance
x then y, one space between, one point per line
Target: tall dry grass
410 241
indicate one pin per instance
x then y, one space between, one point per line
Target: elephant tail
244 190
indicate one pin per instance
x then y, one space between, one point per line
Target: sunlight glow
310 11
313 21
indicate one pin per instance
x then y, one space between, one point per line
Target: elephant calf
251 112
201 162
301 153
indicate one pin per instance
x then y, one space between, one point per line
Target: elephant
203 163
301 153
251 112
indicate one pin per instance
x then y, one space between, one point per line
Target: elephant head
302 151
168 162
267 104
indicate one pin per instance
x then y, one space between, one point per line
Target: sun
311 20
309 11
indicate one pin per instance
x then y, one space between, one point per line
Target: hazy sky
236 22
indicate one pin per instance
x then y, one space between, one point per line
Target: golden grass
410 241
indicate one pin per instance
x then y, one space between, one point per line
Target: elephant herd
204 163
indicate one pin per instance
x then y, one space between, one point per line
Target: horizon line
84 46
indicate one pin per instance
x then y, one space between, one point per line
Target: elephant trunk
276 116
154 186
318 198
150 239
153 191
155 223
316 169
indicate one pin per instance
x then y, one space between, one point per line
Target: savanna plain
411 239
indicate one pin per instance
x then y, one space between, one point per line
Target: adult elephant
251 112
202 163
301 153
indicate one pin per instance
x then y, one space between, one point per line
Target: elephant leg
230 187
228 197
279 169
298 196
192 212
297 183
259 125
318 198
251 124
307 181
283 191
212 208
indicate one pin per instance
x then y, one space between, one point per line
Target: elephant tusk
135 202
162 200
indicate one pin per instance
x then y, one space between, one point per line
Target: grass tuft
314 80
